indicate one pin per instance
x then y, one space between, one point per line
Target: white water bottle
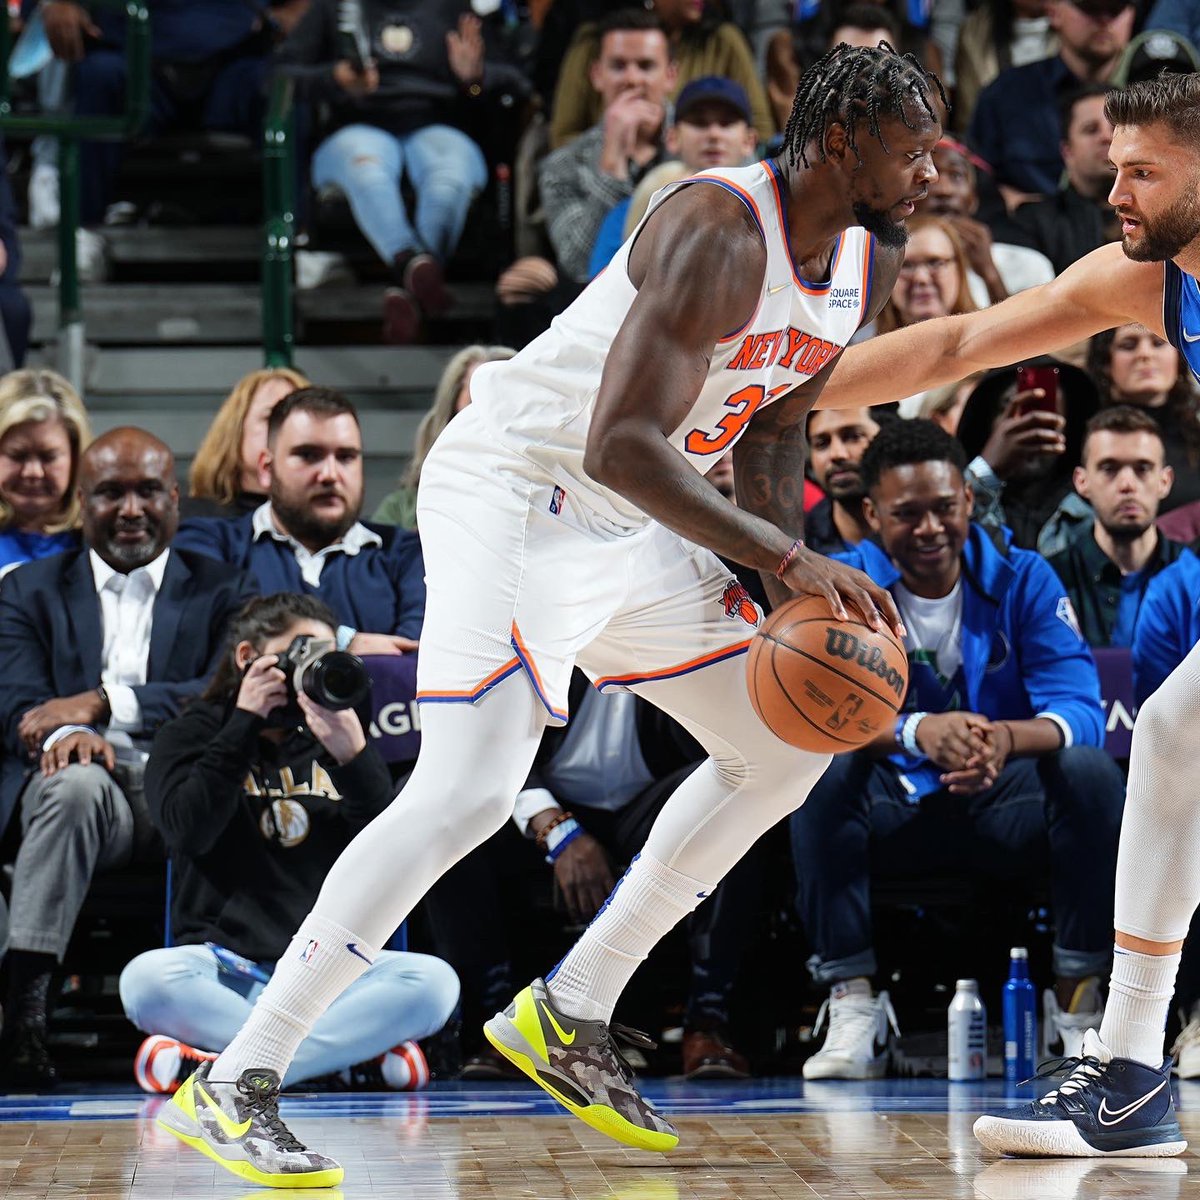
967 1030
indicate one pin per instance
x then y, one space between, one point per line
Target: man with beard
565 519
1015 126
307 536
98 647
1106 569
1118 1098
836 442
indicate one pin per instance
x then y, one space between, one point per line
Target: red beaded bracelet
786 560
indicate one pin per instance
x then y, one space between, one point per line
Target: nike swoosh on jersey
231 1129
1190 337
1120 1114
772 290
563 1036
353 948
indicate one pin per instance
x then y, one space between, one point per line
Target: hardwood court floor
774 1140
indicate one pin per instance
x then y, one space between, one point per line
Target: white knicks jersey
540 403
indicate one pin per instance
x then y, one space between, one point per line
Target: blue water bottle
1020 1019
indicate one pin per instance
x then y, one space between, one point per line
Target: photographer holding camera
257 787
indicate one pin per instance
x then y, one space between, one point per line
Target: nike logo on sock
1121 1114
563 1036
353 948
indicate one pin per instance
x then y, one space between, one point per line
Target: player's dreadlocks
852 83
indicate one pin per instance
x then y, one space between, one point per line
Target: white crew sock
315 969
1139 998
649 900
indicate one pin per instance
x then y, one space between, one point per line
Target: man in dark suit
97 648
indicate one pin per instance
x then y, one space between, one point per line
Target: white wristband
559 834
909 736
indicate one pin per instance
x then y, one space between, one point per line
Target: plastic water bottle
1020 1019
966 1024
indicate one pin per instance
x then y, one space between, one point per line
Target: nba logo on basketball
737 603
309 950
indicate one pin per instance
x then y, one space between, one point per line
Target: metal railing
69 130
279 223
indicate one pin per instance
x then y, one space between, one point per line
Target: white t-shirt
934 628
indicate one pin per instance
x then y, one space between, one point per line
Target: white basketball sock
322 960
1139 999
649 900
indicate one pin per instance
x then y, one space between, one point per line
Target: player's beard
876 221
1169 233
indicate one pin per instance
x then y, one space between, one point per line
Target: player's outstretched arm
698 266
1101 290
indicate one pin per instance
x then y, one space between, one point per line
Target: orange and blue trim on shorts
522 660
684 668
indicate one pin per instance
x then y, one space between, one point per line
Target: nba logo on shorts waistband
556 500
309 950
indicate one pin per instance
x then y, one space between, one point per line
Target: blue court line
763 1097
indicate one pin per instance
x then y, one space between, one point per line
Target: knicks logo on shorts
737 603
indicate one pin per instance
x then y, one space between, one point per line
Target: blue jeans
446 169
1059 815
183 993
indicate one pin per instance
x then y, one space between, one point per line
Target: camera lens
336 680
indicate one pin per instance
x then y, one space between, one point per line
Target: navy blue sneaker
1107 1107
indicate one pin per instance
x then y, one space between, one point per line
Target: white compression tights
474 760
1158 866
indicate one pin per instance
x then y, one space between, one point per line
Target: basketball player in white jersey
565 519
1117 1098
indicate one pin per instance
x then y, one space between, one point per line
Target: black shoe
1106 1107
24 1060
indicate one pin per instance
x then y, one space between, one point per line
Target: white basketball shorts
521 577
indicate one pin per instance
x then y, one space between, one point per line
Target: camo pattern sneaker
238 1125
578 1063
1106 1107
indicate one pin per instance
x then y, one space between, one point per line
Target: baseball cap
713 89
1153 52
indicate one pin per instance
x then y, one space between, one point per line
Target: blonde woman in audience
452 395
943 406
43 431
934 282
223 481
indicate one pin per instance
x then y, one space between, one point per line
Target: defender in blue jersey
1117 1098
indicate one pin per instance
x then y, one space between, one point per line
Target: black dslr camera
333 678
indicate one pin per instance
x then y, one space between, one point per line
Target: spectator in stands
1107 567
997 268
1134 366
400 113
223 480
997 35
792 49
1168 624
256 792
595 789
634 75
1015 126
98 647
1022 458
994 769
209 60
1077 218
943 406
837 439
16 315
933 282
43 431
700 44
711 129
452 395
306 537
1158 49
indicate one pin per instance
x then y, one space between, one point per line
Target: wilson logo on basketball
737 603
844 644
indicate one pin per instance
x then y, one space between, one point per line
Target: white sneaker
1186 1051
858 1042
320 268
91 256
43 197
1062 1032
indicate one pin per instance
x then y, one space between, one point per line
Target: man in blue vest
994 766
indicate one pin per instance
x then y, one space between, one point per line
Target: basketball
822 684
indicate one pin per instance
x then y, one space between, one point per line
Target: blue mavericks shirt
1181 314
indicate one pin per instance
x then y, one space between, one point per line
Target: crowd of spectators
1030 522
